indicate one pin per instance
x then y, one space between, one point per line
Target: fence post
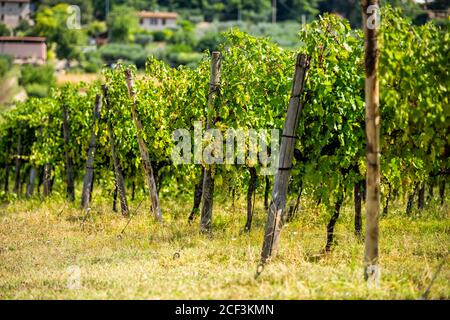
89 174
279 193
120 185
208 179
370 8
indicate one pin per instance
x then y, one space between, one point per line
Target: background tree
4 30
295 9
24 28
351 9
122 24
86 7
51 22
96 27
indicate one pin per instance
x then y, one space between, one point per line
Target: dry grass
39 241
76 78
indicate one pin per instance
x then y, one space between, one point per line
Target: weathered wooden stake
333 220
31 181
388 198
120 184
421 197
47 179
411 196
251 192
442 191
266 193
146 164
40 178
24 178
357 200
197 197
89 174
6 183
7 163
370 22
277 205
114 208
68 154
208 179
430 190
18 164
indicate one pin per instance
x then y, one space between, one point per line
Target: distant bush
31 74
4 30
178 54
182 36
90 67
93 62
37 90
284 33
188 58
162 35
96 27
177 48
5 63
23 28
143 39
122 23
134 53
210 41
37 80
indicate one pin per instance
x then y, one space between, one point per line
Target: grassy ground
41 242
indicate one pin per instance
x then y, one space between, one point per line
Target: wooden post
89 175
333 220
92 185
388 198
120 184
47 179
24 178
198 191
357 200
47 170
18 164
31 181
370 21
6 183
251 192
114 207
430 190
208 179
421 197
146 164
68 154
442 191
266 193
279 192
7 166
